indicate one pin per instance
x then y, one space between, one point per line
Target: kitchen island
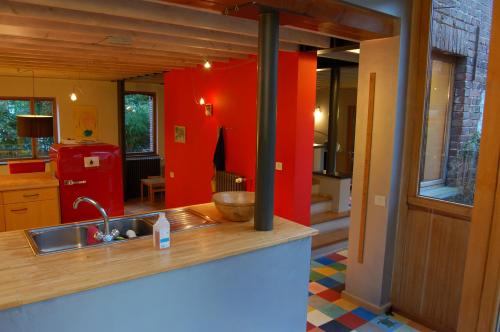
226 277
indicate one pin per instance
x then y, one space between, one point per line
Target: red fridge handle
73 182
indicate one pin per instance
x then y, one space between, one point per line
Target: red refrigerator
93 170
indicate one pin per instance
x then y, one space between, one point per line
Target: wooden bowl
235 205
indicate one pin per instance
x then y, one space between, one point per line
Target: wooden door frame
481 291
480 287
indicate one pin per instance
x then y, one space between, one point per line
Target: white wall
371 281
381 57
101 94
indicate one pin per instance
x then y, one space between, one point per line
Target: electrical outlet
279 166
91 162
380 200
172 175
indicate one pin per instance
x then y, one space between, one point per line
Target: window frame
155 123
443 57
32 101
423 49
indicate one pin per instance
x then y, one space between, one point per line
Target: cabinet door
31 215
2 219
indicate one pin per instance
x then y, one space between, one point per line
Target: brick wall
462 29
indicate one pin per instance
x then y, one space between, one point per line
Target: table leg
151 194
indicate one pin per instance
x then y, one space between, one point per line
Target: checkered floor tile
328 312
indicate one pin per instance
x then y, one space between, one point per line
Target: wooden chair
155 184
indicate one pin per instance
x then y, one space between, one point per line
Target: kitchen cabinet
2 219
24 206
31 215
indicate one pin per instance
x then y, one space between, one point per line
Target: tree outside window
12 146
140 123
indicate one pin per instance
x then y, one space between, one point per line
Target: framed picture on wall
180 134
85 123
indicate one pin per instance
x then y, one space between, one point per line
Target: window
454 103
437 121
14 147
140 122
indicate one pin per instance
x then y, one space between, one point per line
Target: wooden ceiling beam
60 15
77 57
116 73
339 17
94 61
182 16
65 37
335 18
101 33
41 63
35 45
126 72
64 74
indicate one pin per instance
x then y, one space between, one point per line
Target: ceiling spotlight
355 51
202 101
73 96
207 65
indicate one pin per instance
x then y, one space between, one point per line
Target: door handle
72 182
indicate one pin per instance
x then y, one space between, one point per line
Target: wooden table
154 185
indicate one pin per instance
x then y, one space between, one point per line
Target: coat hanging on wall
220 152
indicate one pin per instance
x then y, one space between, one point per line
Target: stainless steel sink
73 236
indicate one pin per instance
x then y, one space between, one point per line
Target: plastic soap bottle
161 232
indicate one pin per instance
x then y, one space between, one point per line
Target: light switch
380 200
91 162
172 175
279 166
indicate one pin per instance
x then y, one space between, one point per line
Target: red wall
231 88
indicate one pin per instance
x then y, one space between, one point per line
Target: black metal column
266 118
120 105
333 120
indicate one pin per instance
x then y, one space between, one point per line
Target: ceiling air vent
118 40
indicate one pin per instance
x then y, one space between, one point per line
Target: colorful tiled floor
328 312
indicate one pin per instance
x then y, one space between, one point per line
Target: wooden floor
135 206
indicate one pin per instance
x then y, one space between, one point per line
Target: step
318 198
330 238
322 217
320 203
332 225
315 190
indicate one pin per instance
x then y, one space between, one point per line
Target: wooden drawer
2 219
31 214
29 195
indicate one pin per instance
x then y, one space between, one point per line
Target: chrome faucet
108 235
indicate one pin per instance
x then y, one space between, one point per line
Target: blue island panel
263 290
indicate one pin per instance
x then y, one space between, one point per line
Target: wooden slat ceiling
116 39
331 17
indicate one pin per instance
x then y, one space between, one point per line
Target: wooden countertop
25 278
27 181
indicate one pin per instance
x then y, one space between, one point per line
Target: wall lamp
209 108
317 114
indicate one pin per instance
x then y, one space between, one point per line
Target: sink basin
74 236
